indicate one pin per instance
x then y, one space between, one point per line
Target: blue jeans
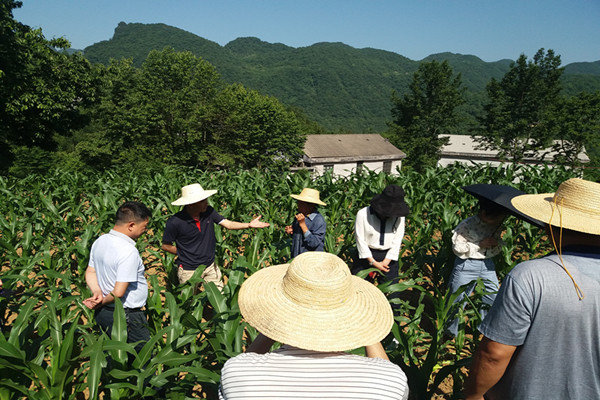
467 271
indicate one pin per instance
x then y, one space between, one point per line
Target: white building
464 149
347 153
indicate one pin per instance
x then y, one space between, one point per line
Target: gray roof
350 147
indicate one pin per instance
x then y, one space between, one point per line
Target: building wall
346 169
444 162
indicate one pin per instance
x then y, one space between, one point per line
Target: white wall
345 169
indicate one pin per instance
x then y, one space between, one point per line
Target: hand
257 223
94 302
381 266
301 221
289 230
488 242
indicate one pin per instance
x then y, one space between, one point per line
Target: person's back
293 373
542 334
559 349
317 310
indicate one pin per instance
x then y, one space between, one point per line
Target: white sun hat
191 194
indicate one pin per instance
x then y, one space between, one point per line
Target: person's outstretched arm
235 225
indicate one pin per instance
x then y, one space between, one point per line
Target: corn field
50 349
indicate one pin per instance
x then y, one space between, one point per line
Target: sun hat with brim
191 194
390 203
315 303
309 196
575 205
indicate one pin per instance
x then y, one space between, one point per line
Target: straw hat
315 303
191 194
574 206
309 196
390 203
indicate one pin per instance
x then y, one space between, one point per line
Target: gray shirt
556 334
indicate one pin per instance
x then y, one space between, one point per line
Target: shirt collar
312 215
122 236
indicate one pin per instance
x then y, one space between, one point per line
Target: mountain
339 86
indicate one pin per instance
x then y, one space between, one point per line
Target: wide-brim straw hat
191 194
575 206
309 196
315 303
390 203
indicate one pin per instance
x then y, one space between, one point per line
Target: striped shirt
290 373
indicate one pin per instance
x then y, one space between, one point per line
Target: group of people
541 337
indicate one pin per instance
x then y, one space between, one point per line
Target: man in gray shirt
541 336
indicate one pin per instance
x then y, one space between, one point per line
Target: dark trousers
390 276
137 324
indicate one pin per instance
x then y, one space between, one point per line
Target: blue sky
489 29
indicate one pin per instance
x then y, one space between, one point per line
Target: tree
248 129
156 114
175 109
516 118
426 113
43 89
576 127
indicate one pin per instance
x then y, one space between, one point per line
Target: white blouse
367 230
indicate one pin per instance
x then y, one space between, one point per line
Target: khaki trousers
212 273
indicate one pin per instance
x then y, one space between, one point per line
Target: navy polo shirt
194 239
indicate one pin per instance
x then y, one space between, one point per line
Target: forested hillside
340 87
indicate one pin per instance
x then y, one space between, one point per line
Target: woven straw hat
315 303
191 194
309 195
574 206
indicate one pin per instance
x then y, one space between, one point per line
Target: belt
127 309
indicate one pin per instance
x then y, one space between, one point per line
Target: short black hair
132 211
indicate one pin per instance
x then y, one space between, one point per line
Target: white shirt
295 374
367 230
116 259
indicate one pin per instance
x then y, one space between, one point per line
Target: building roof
464 146
350 147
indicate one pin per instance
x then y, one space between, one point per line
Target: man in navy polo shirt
193 232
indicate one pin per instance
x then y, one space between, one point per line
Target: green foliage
342 88
50 348
575 126
247 129
175 109
516 119
43 89
422 117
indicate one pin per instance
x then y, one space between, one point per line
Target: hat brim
364 319
307 200
191 199
543 208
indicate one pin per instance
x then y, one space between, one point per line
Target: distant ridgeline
338 86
